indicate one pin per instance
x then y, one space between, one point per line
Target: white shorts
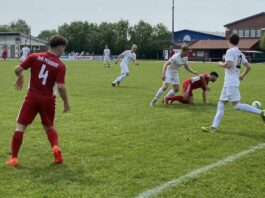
124 69
22 58
172 78
231 94
106 58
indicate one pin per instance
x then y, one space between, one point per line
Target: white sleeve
125 53
244 60
229 56
172 60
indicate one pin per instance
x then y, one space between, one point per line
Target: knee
236 107
21 128
175 90
47 128
164 88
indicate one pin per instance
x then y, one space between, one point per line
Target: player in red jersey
4 53
46 71
189 85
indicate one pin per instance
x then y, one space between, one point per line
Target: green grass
116 146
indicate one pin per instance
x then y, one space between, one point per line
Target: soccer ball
256 104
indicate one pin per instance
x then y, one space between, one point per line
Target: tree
262 42
20 26
46 34
16 26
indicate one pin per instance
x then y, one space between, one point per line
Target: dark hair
58 40
234 39
214 74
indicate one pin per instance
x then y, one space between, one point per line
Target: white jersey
176 63
128 56
232 74
106 52
25 51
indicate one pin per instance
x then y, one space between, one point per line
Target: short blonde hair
134 46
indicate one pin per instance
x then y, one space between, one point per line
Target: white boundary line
158 189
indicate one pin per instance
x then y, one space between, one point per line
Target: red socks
16 142
52 137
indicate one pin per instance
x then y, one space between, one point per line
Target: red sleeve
28 62
60 77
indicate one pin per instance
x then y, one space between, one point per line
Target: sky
203 15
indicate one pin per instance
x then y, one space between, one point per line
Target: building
250 30
191 36
14 42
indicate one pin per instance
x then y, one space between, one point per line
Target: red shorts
187 88
34 104
4 55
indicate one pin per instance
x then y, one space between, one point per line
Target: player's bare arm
20 81
63 93
246 71
165 69
189 69
119 58
206 87
227 64
204 96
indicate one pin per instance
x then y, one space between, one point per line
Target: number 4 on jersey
43 74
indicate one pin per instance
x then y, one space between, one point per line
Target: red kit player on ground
189 85
46 71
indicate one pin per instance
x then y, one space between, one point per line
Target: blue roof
195 35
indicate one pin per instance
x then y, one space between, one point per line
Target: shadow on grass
59 174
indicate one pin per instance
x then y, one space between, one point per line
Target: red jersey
46 70
196 82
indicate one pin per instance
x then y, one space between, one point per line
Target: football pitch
116 146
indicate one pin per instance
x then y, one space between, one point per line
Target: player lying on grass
170 73
46 71
234 58
189 85
125 57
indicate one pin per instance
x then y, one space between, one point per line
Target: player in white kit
170 73
25 53
126 57
106 54
234 58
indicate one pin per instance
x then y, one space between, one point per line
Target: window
235 32
246 33
241 33
253 33
259 33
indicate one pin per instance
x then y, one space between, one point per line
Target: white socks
219 114
248 108
242 107
171 93
120 78
159 93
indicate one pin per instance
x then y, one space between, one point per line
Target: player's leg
25 117
224 98
235 95
174 90
47 114
174 80
159 92
124 74
108 61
